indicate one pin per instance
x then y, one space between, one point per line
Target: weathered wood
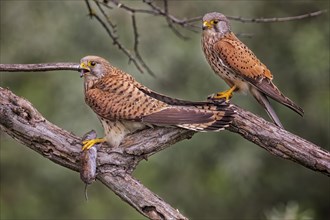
280 142
20 120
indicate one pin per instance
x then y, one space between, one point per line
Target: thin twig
135 32
114 38
170 19
276 19
170 23
112 25
91 12
186 22
104 3
257 20
136 46
130 9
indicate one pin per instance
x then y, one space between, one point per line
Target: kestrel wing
203 115
220 104
238 57
176 116
117 97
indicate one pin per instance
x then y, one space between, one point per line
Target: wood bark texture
20 120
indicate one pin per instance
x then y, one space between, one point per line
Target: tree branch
39 67
136 45
173 22
253 128
280 142
20 120
277 19
169 18
111 32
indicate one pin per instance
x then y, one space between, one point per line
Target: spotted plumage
123 105
237 65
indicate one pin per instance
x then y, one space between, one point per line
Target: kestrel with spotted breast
237 65
123 105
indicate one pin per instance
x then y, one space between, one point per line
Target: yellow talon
226 94
89 143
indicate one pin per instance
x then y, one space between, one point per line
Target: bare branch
104 3
38 67
255 129
20 120
136 46
114 38
112 25
130 9
170 19
170 24
91 12
283 19
256 20
280 142
138 196
111 30
145 143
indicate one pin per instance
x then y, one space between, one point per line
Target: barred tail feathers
221 118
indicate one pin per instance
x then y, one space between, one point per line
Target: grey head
93 67
216 22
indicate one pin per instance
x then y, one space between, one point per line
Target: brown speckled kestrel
238 66
123 105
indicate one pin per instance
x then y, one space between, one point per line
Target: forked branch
20 120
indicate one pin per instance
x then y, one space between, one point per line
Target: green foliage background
211 176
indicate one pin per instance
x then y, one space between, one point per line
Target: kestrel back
237 65
123 105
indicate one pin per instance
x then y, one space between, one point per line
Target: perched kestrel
123 105
238 66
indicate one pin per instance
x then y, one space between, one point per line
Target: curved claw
90 143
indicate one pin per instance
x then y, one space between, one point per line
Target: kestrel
123 105
236 64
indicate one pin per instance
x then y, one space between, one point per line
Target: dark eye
215 21
93 63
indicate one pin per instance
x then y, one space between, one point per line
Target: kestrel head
94 67
216 22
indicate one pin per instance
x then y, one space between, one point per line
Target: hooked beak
206 25
83 69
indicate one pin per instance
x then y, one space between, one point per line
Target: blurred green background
213 175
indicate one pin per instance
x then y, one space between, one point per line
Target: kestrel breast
220 67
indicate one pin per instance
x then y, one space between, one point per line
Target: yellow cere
82 65
209 24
